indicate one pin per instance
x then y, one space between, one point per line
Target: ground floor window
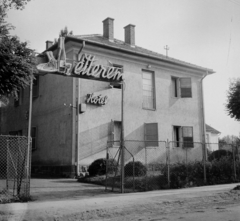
151 134
183 136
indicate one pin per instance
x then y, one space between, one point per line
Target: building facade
74 118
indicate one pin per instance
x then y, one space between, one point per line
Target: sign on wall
84 68
98 100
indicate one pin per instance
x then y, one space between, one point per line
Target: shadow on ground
58 189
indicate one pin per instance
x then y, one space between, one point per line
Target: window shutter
186 87
187 133
151 135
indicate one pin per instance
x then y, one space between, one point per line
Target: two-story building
74 118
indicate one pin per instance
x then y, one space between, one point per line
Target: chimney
108 28
130 34
48 44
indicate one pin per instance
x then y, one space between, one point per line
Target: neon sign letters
99 100
86 69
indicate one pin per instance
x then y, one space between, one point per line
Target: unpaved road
209 203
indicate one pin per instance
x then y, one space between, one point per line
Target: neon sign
99 100
84 68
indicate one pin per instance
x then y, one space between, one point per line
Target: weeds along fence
14 167
152 165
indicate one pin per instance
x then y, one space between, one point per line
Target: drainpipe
78 120
203 130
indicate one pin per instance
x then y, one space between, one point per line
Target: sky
201 32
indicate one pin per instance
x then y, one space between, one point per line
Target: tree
233 99
17 60
63 33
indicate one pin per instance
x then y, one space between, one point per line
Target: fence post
204 163
168 162
234 163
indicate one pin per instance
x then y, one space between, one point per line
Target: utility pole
166 48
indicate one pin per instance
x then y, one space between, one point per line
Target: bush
98 167
139 169
218 154
192 174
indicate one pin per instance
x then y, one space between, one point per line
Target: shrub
218 154
139 169
98 167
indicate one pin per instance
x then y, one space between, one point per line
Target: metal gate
15 167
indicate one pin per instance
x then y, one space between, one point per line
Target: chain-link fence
14 167
152 165
144 164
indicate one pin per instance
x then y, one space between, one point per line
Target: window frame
177 89
182 141
153 90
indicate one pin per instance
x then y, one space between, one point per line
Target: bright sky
201 32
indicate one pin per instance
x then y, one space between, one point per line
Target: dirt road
209 203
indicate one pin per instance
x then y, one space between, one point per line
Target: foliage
17 60
17 4
17 66
99 166
139 169
218 154
192 174
64 32
233 99
229 139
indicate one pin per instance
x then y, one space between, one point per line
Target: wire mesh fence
144 163
152 165
14 167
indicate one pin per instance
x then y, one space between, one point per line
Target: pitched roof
118 44
211 130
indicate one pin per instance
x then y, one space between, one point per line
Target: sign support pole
29 134
122 139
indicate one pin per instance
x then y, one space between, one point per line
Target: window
35 91
151 135
183 136
148 90
114 84
19 99
187 136
115 132
185 85
177 135
16 133
34 137
181 87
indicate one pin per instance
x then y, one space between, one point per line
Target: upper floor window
181 87
148 90
18 101
35 89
